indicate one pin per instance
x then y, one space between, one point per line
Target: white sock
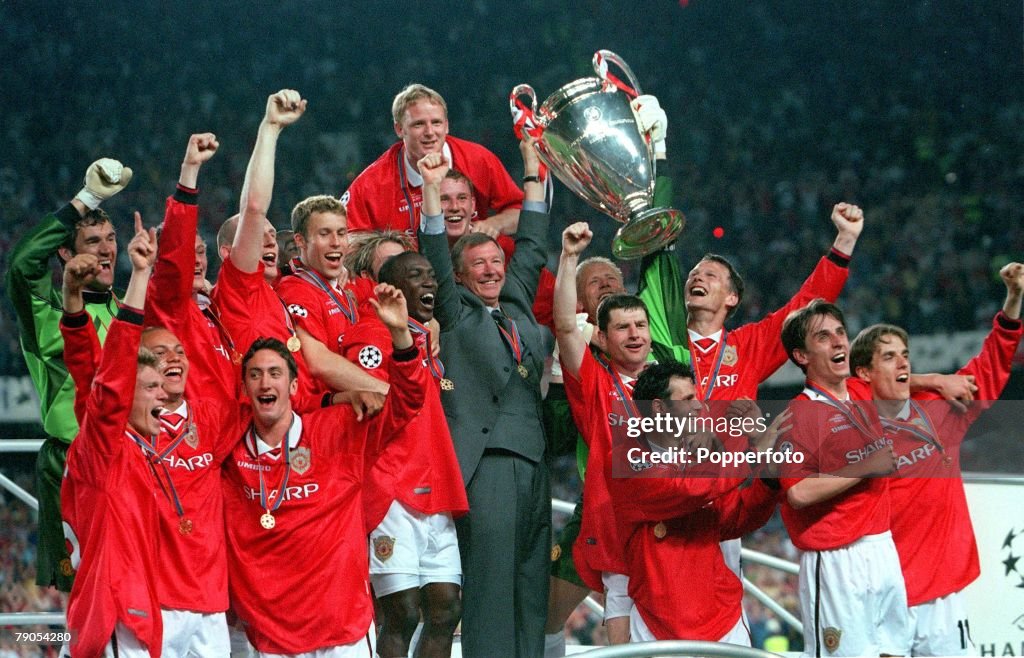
554 645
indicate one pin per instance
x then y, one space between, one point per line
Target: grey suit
494 415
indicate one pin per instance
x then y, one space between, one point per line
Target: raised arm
571 343
283 109
433 243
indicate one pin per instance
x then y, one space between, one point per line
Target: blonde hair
411 94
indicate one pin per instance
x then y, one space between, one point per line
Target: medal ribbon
348 307
705 395
404 184
512 339
436 367
860 422
620 387
213 315
265 502
288 324
154 457
926 434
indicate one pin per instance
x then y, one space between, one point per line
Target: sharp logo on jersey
383 547
298 311
723 380
916 455
192 463
299 459
854 456
370 357
614 419
298 492
729 358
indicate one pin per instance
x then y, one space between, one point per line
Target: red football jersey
110 501
418 467
381 197
324 316
251 309
169 304
304 584
930 521
754 351
829 442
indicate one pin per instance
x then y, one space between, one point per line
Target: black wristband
532 179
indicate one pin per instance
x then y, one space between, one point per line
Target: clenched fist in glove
103 179
651 119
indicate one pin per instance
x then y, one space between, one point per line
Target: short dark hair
798 324
468 241
274 345
616 302
456 175
391 268
862 349
90 218
735 280
652 384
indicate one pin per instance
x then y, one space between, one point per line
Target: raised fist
285 107
432 167
80 271
201 148
1013 276
848 218
575 238
103 179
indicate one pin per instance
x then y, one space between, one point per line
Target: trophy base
646 232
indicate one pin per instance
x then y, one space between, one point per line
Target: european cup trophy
587 134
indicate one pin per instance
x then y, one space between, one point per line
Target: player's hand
848 219
201 147
103 179
575 238
958 390
433 167
365 404
390 306
706 440
1012 275
142 248
531 160
284 108
650 118
79 272
880 462
435 337
485 226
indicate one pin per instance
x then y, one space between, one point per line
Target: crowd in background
776 111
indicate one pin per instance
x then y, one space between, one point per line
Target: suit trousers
505 542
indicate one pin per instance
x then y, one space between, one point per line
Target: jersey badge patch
299 459
831 637
729 357
297 310
370 357
383 547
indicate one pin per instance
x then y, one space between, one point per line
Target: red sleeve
409 380
991 367
803 438
170 287
746 509
502 192
357 208
544 301
674 495
110 401
368 345
583 393
306 308
826 281
249 307
82 353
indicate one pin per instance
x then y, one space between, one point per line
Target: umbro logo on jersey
370 357
297 311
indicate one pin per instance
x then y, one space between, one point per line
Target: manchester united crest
383 547
729 357
831 637
299 459
65 567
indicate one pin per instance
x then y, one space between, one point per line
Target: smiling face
889 372
458 205
199 272
100 240
595 282
482 271
423 129
627 339
149 399
825 352
415 278
173 362
709 288
325 244
269 387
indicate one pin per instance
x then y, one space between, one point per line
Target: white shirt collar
904 412
694 336
294 434
818 397
414 177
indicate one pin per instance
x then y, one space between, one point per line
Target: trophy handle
601 59
523 117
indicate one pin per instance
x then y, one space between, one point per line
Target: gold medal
185 526
523 372
660 530
447 384
294 344
267 521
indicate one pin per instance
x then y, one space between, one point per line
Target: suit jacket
476 357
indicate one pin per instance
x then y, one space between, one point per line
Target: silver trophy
590 139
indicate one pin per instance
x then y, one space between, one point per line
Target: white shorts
128 646
853 600
410 549
616 598
364 647
195 634
940 627
638 631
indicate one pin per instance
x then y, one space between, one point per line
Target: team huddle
342 453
